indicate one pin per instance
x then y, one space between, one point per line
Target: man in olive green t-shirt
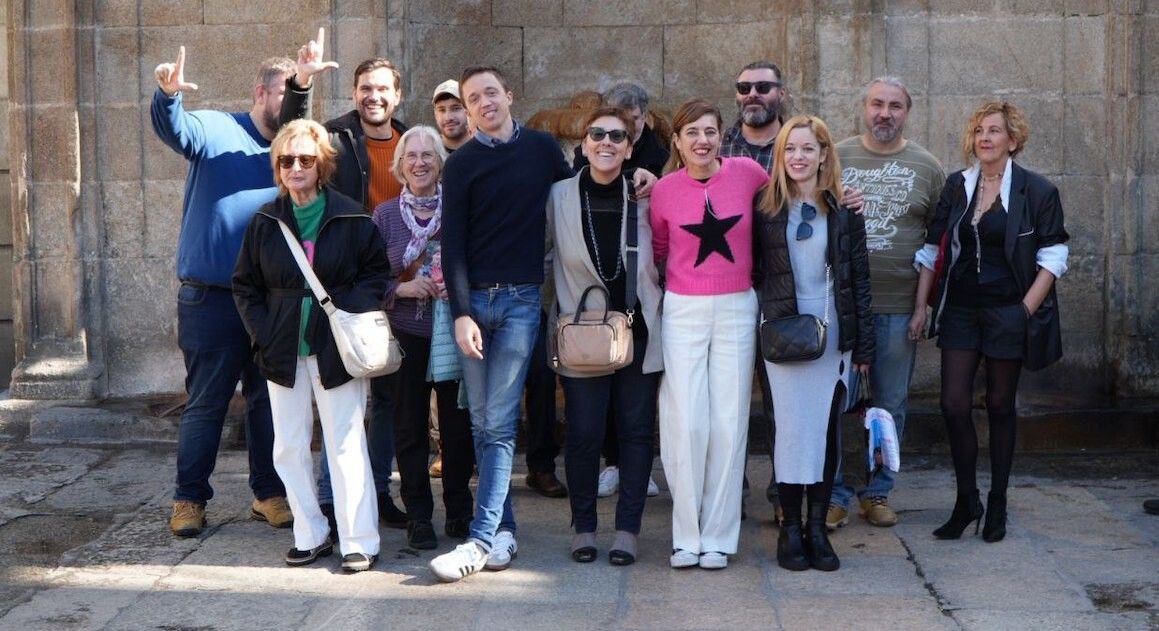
901 182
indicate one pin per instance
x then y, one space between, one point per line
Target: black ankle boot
791 547
995 528
967 508
817 546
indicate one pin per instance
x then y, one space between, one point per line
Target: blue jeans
217 354
379 444
889 376
508 318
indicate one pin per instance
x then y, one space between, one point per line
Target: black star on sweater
711 231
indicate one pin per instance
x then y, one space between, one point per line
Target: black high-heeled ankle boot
995 528
967 508
817 547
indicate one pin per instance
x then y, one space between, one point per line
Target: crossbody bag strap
631 250
828 289
304 266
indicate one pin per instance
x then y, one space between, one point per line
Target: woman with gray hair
410 227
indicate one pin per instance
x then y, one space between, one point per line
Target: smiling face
605 156
803 156
302 184
992 141
756 109
451 118
420 165
699 143
376 97
488 103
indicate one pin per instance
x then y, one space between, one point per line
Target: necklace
596 245
979 209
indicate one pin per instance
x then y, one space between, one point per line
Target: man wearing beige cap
450 115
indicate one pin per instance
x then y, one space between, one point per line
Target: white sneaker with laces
653 490
609 482
503 549
464 560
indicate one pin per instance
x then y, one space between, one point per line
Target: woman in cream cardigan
587 218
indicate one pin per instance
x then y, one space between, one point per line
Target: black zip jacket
352 177
850 263
268 287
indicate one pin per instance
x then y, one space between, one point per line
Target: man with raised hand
902 183
365 139
228 178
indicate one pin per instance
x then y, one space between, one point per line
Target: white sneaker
503 549
609 482
653 490
464 560
714 560
683 558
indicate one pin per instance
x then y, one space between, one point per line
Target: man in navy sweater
229 178
495 189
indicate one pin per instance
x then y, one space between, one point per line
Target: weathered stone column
54 248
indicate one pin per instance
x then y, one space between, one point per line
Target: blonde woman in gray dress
811 258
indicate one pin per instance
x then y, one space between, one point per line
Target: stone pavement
84 545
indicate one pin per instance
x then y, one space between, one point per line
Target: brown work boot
877 512
273 510
188 518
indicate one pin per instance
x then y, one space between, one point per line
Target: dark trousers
410 397
631 396
539 401
217 354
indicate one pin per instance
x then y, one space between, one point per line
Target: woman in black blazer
999 241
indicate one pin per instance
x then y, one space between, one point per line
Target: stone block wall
1086 72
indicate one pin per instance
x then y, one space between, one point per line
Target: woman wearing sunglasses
811 259
702 213
295 349
588 222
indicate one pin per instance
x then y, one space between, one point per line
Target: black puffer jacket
352 177
268 287
850 262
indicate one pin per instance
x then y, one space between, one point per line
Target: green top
309 218
901 193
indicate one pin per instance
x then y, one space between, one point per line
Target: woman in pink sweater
702 214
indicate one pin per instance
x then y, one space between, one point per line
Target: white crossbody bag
365 342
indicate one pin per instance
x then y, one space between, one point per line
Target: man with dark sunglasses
760 96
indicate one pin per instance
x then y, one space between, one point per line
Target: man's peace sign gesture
171 77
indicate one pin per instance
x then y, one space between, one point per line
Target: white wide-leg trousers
709 344
341 411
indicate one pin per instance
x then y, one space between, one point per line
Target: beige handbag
593 341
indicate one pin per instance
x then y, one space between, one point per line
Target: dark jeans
632 397
410 394
539 401
217 354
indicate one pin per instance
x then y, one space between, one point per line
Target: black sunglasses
287 162
616 135
763 87
805 229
